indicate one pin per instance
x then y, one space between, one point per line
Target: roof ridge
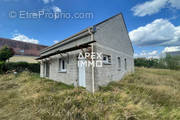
22 41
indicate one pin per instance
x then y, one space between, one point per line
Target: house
109 44
24 52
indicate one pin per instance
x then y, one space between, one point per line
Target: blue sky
153 25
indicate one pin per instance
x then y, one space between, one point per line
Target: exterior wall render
113 40
112 72
71 76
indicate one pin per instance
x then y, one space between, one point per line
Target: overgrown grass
148 94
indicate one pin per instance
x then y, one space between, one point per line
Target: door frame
81 74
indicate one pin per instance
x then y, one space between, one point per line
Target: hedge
19 67
1 67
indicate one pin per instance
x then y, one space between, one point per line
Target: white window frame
61 69
107 60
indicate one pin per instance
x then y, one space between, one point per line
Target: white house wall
71 76
111 72
68 77
113 34
112 39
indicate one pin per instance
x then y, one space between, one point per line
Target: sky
153 25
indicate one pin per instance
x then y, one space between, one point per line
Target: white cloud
146 54
160 32
56 9
23 38
154 6
149 7
55 41
171 49
47 1
175 3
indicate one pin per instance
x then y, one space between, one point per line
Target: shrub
19 67
34 67
143 62
6 53
172 62
1 67
168 62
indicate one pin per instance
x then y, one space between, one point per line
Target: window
119 63
125 64
62 65
106 59
21 51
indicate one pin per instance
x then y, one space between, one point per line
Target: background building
24 52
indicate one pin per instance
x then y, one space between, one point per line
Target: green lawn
149 94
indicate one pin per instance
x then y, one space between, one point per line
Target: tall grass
149 94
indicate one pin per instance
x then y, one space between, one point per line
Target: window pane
125 63
63 65
106 58
119 62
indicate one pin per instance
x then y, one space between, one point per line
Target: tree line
167 62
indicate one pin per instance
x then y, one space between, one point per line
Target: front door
82 74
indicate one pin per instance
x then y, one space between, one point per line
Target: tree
146 62
172 62
168 62
6 53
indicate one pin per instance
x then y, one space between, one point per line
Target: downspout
92 67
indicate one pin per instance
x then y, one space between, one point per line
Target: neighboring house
110 37
24 52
